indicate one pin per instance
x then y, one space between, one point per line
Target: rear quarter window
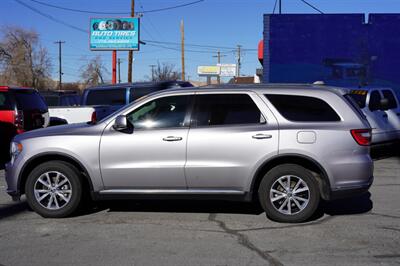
29 100
303 108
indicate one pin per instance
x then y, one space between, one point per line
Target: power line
50 17
273 11
313 7
114 13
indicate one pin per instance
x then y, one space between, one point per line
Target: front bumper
12 181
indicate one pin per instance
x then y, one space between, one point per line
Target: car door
377 118
228 138
152 155
393 111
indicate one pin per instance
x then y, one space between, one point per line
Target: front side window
392 104
225 109
303 108
166 112
106 97
136 93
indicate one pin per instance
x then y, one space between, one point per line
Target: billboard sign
114 34
227 70
208 70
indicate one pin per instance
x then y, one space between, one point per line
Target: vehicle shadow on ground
382 152
13 209
349 206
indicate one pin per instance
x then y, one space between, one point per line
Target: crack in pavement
383 215
389 228
244 240
320 221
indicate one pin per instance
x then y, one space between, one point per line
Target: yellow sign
208 70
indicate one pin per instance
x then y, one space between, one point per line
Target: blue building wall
307 47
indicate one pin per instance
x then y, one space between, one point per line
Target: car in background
64 107
382 109
61 97
21 109
118 95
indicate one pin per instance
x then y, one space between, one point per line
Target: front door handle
262 136
172 138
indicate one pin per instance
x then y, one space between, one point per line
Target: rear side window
106 97
70 100
51 100
5 103
303 108
136 93
226 109
374 101
360 97
29 100
392 101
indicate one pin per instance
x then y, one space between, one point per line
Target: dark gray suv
287 146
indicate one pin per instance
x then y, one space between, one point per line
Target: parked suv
21 109
284 145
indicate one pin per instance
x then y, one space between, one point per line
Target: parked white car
382 109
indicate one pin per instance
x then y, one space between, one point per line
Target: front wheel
289 193
54 189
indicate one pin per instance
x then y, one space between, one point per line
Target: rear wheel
54 189
289 193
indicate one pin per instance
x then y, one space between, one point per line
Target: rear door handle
172 138
262 136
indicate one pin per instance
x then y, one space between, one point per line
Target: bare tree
93 72
23 61
165 71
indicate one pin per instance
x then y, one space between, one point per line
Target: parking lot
360 231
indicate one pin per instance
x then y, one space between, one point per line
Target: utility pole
280 6
152 71
218 56
238 59
130 57
119 70
183 49
59 62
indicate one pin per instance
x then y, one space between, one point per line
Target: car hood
66 130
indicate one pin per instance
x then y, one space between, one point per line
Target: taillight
362 136
19 121
94 118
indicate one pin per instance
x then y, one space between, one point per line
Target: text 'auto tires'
54 189
289 193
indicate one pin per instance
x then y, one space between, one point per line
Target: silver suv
287 146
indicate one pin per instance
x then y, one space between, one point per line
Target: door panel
229 136
152 153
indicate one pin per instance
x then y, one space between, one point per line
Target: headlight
15 149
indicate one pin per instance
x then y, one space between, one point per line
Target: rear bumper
349 192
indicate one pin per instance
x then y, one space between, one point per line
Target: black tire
71 173
272 210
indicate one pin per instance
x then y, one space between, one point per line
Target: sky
222 23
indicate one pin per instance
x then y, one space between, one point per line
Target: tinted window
160 113
392 101
374 101
5 103
360 97
303 108
106 97
225 109
136 93
51 100
29 100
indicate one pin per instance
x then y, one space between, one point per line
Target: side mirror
384 104
121 123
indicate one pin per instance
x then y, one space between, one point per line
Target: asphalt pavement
358 231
